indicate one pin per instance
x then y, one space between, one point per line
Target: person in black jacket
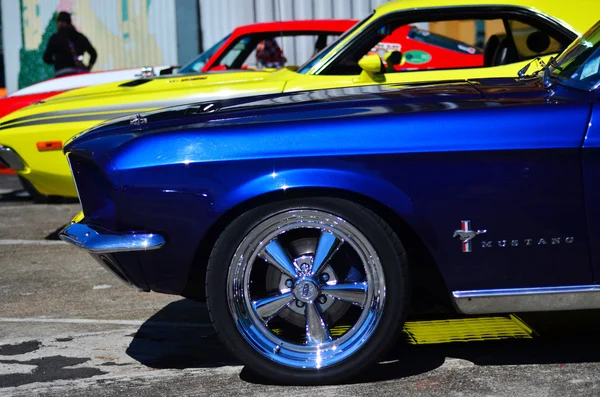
66 48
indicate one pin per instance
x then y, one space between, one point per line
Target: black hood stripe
73 112
70 115
68 119
133 107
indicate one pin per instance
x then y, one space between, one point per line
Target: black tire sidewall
393 260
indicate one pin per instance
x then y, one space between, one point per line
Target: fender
353 181
315 178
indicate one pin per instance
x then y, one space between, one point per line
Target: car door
591 176
509 176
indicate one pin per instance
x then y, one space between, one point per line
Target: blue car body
517 158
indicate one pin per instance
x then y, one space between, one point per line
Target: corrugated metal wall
126 33
219 17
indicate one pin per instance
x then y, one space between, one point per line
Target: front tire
308 291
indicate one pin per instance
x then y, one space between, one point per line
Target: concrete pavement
69 328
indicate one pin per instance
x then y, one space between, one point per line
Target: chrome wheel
309 307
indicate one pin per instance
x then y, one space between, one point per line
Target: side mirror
371 64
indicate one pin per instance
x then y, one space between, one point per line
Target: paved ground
68 328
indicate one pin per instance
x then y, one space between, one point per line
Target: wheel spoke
354 293
276 256
327 245
268 308
316 329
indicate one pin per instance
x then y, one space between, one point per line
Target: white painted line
103 286
31 242
16 207
104 322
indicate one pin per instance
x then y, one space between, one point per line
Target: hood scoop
135 83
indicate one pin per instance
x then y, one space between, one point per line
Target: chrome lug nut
325 277
289 283
322 299
299 303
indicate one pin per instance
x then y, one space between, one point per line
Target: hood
326 104
107 101
69 82
164 84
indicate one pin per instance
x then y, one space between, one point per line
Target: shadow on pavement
15 195
54 234
564 338
162 343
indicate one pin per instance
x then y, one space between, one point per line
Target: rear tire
345 278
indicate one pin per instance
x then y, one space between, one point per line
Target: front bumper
100 242
114 251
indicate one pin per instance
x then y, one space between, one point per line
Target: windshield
198 63
308 66
579 65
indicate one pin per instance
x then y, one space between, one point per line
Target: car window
446 44
274 50
531 42
232 53
579 65
305 68
198 63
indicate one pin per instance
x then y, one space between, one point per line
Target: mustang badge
466 235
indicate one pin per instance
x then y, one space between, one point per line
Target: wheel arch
429 288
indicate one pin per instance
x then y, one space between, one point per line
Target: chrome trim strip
11 159
573 297
98 242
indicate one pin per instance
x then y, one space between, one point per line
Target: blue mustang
313 217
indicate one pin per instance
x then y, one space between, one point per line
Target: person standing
66 48
269 54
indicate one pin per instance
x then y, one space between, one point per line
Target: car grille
93 189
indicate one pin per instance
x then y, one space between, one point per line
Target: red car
235 50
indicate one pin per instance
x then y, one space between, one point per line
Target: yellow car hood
111 100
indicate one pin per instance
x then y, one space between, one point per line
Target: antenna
281 26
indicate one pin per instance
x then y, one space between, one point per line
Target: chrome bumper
11 159
99 242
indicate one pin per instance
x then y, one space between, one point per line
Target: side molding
575 297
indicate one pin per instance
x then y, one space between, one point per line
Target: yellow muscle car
507 33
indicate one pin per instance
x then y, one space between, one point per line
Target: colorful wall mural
125 33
